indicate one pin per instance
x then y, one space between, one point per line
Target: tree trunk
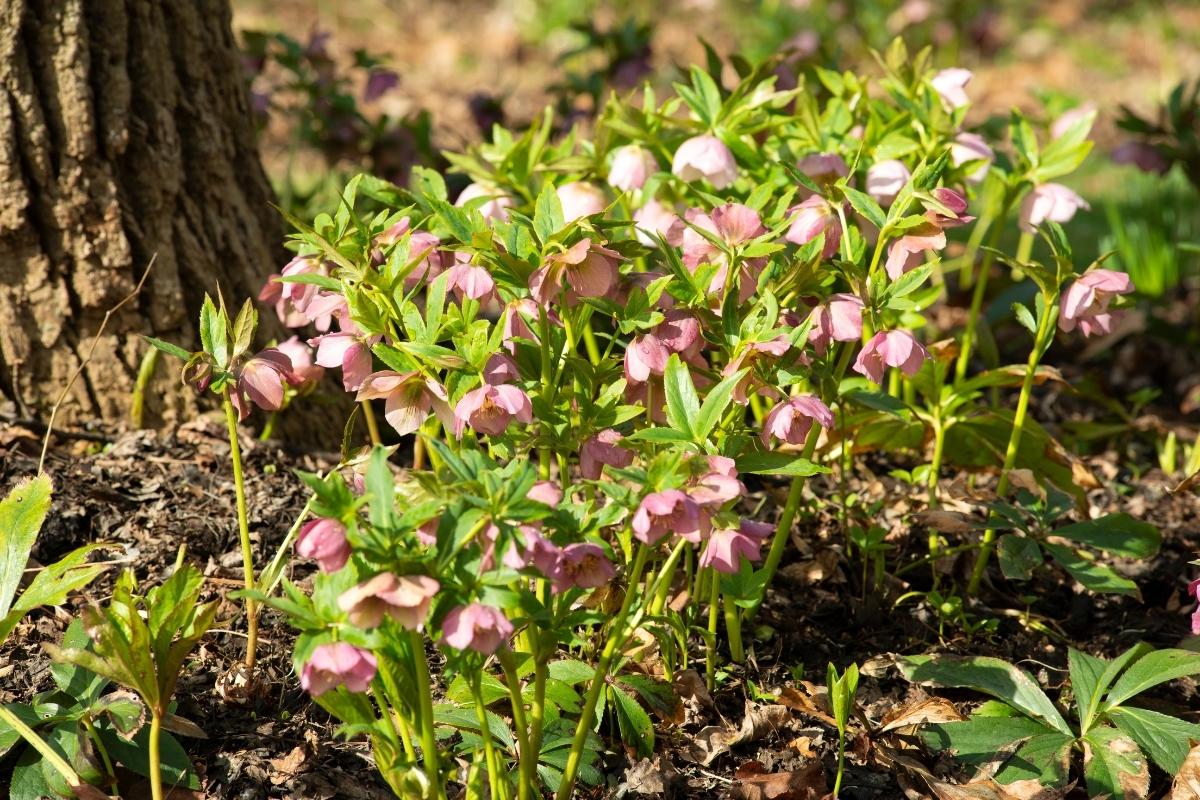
125 134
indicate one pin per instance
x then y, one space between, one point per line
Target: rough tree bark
125 133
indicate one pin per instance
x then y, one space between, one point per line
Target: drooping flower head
725 550
603 448
885 179
951 84
580 199
905 253
586 269
631 166
324 540
748 357
350 351
971 148
1145 157
705 157
654 217
1050 201
583 566
490 409
890 349
476 627
1085 303
838 320
494 208
823 168
261 380
404 598
666 512
812 218
338 664
304 371
409 397
791 420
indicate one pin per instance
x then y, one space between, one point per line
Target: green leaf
1151 670
1116 533
1025 317
22 513
777 463
1087 674
547 214
73 679
1166 739
168 348
52 584
1114 767
1044 757
213 334
568 670
382 488
8 735
864 204
1093 575
715 403
991 676
683 404
976 741
637 729
176 767
1019 556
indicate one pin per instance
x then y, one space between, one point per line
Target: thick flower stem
733 629
616 640
156 787
1045 330
981 283
372 425
239 482
429 751
495 774
48 753
527 759
714 614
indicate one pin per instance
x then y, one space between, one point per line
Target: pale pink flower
631 166
304 370
476 627
586 269
426 533
885 179
725 550
601 449
580 199
583 566
814 217
823 169
337 664
350 351
839 320
905 253
791 420
409 398
734 224
969 148
1049 202
748 357
516 326
547 493
324 541
324 308
705 157
539 553
1194 591
494 208
654 217
404 598
646 355
272 294
890 349
428 262
501 368
490 409
261 380
1085 302
662 513
717 485
680 333
472 281
950 84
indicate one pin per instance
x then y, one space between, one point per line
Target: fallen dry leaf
808 703
288 766
753 782
932 709
946 521
1187 783
716 740
651 776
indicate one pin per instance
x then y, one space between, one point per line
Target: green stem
156 787
714 614
783 529
137 406
239 482
1045 330
841 767
544 452
526 758
269 428
985 270
429 751
733 629
495 774
393 697
44 750
94 735
372 425
616 640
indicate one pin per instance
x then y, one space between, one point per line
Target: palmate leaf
1044 757
1094 576
22 513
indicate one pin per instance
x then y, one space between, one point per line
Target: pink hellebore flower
422 249
404 598
718 485
972 148
813 217
501 368
791 420
587 268
540 553
580 199
680 333
646 355
472 281
1194 591
823 168
1145 157
476 627
324 540
1050 201
272 294
336 664
662 513
749 356
1085 303
631 167
303 371
348 351
890 349
734 224
261 379
654 217
583 566
839 320
904 253
548 493
885 179
950 201
409 397
950 84
725 550
601 449
705 157
515 326
379 82
490 409
494 208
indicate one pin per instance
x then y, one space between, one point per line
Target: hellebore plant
593 348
